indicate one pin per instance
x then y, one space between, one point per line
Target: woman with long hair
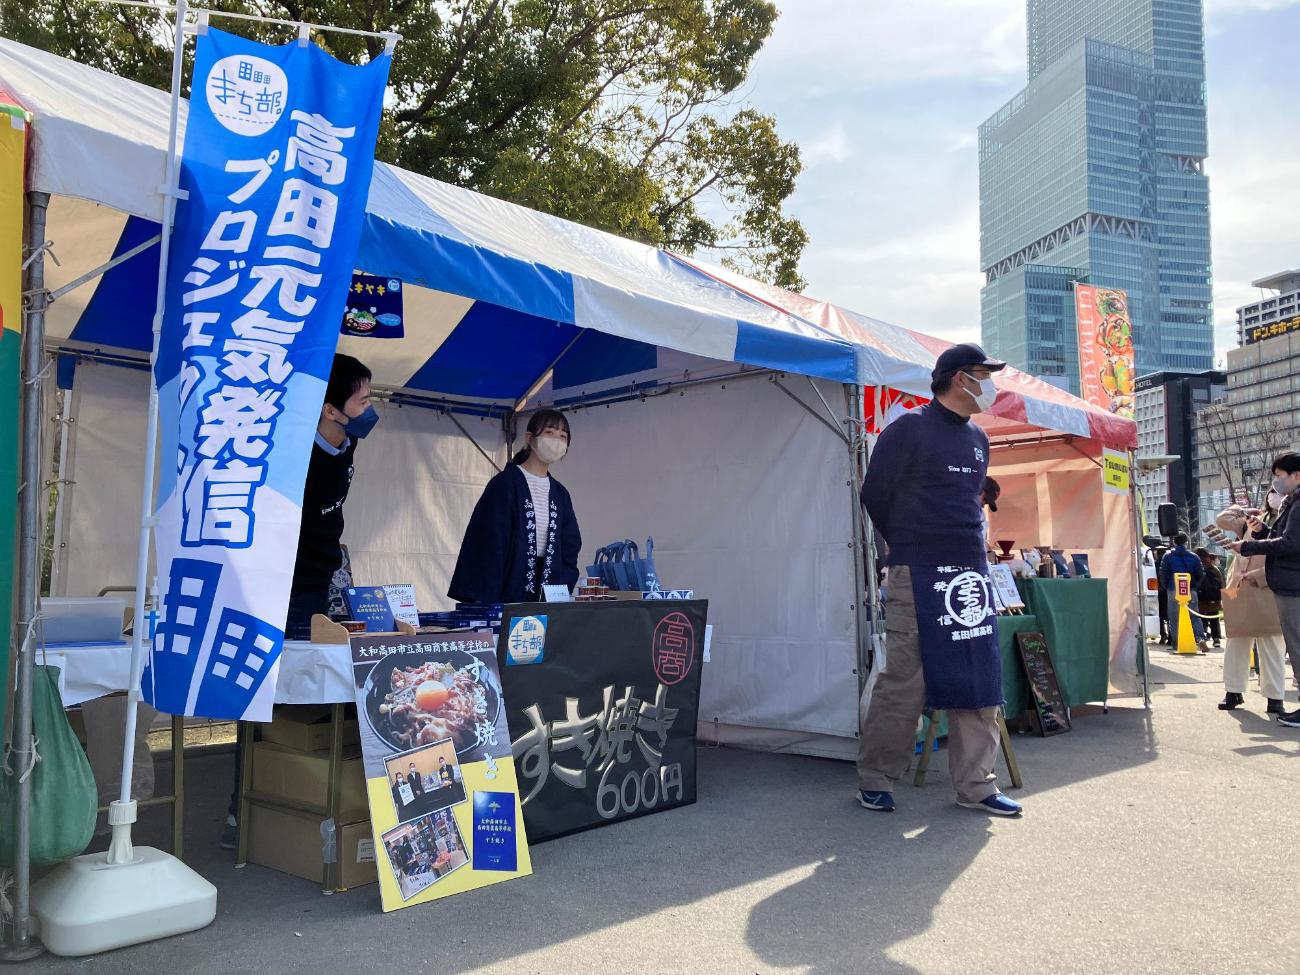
523 534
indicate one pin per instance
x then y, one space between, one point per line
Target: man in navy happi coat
922 491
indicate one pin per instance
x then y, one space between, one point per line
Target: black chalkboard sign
1049 704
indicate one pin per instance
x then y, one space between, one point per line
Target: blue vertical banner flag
279 150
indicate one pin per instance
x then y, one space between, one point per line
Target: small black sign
601 701
1049 704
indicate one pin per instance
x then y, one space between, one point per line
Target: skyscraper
1095 173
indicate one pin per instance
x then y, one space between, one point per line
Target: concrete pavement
1153 842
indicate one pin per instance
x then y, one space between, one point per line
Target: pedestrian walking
922 491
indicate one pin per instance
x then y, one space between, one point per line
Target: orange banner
1105 348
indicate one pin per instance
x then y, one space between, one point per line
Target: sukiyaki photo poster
444 803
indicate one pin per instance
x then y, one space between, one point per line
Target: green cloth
1015 689
1076 622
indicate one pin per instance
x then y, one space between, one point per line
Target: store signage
1259 333
1106 359
444 802
603 729
1049 703
276 168
374 308
1115 471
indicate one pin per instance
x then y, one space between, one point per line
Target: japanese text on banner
278 155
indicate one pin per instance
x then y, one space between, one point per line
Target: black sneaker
1290 718
1275 706
1231 701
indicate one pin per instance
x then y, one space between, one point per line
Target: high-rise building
1095 173
1261 416
1274 315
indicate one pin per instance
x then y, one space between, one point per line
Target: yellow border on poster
474 776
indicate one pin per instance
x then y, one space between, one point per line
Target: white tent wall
1052 495
747 496
416 482
102 505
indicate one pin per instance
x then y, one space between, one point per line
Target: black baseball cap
963 357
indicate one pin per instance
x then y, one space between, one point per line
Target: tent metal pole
864 553
486 456
171 191
104 268
1142 656
776 381
23 759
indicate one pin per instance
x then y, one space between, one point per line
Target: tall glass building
1094 173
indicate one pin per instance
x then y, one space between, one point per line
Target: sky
884 98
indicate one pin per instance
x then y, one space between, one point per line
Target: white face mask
550 449
1282 484
987 395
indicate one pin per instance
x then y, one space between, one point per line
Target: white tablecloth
310 673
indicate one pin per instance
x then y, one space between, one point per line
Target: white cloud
890 42
900 89
832 146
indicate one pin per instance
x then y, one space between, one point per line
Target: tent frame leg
867 593
24 946
1135 512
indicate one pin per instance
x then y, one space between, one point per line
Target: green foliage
615 113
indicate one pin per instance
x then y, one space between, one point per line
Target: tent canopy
551 303
901 359
484 279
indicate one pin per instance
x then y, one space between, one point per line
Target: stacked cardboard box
291 766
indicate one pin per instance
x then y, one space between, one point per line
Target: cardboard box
307 727
291 843
304 777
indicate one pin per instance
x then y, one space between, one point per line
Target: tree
619 114
1241 448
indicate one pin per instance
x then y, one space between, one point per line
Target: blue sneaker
878 801
997 804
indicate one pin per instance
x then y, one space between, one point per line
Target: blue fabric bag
624 563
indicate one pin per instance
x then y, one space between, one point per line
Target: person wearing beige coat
1250 616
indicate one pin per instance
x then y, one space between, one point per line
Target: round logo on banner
672 649
247 94
968 598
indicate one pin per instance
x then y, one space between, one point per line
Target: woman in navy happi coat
502 559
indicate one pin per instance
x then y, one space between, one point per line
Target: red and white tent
900 360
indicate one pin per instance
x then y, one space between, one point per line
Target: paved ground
1152 842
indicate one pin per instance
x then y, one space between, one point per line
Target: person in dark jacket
523 534
1209 596
922 491
1176 560
1280 546
1162 598
346 416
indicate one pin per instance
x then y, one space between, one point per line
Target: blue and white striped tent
497 296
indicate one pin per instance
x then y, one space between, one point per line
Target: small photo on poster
425 780
424 851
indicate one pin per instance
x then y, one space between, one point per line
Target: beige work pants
893 700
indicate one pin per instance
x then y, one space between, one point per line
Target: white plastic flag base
91 904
